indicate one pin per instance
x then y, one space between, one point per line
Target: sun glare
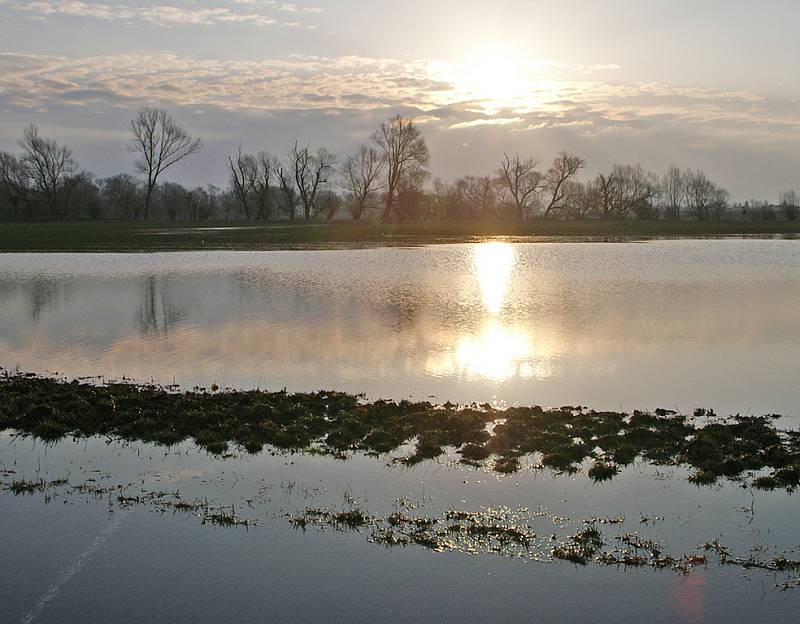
496 352
494 263
495 78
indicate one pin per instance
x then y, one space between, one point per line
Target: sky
707 84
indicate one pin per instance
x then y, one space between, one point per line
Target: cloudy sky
712 84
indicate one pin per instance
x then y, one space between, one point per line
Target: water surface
657 324
633 325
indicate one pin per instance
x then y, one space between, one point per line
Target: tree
672 192
480 193
287 188
704 199
790 205
623 191
564 168
522 180
263 185
244 173
579 199
328 204
161 142
173 199
310 172
123 195
406 155
360 174
251 183
15 183
52 169
86 196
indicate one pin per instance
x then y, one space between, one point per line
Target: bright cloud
249 12
362 83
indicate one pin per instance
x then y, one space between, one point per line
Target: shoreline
139 237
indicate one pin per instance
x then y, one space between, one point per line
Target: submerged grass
337 424
108 235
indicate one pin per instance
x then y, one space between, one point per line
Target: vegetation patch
338 424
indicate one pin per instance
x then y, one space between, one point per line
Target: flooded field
334 507
613 326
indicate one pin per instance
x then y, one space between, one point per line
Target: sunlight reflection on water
662 324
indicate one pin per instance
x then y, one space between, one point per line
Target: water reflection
494 263
497 351
157 314
691 323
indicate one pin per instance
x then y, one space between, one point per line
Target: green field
154 236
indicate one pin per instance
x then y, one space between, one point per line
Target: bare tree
579 199
704 199
790 205
481 194
606 191
328 204
262 188
310 172
244 173
360 174
122 194
287 187
405 153
173 198
672 192
161 142
522 180
564 168
52 169
15 182
623 191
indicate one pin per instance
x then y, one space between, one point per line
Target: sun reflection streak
496 352
494 263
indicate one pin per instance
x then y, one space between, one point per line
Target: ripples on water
658 324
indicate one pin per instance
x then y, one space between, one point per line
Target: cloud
252 12
338 101
356 82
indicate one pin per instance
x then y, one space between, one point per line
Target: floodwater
633 326
658 324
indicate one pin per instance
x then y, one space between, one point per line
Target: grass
131 236
339 424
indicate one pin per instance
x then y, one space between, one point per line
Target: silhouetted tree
16 186
52 169
161 142
790 205
244 173
287 187
123 195
564 168
521 179
405 154
480 193
310 172
672 192
360 175
704 199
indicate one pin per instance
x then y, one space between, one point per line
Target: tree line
385 178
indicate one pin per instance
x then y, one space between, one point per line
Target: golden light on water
495 353
494 263
498 351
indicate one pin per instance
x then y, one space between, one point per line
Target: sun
493 77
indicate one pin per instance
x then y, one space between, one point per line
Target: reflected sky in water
633 325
